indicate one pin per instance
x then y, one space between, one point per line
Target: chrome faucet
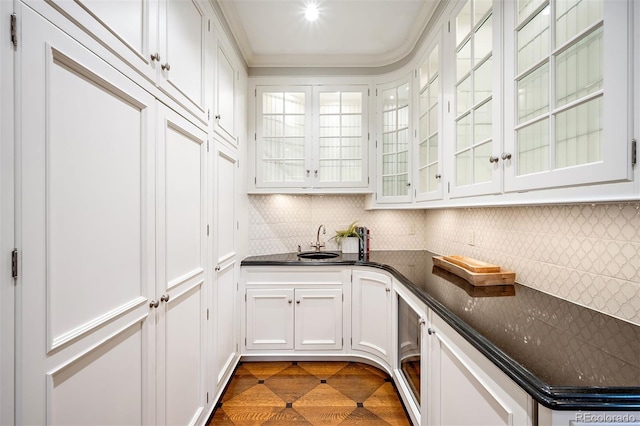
318 245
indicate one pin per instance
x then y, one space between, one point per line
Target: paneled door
181 271
85 231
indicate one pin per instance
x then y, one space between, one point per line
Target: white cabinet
163 40
394 142
312 138
113 242
370 313
300 319
225 102
464 388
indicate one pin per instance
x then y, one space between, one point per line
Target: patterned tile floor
309 393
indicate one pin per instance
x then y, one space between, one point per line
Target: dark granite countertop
566 356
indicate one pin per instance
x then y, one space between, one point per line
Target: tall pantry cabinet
126 214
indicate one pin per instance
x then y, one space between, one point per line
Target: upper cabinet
164 41
475 63
312 138
568 93
393 141
225 93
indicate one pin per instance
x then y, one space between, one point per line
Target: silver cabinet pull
165 298
165 67
155 57
493 159
506 156
154 304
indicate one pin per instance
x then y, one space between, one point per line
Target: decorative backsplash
588 254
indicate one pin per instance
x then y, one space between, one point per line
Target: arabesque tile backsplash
588 254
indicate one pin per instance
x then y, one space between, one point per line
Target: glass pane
352 103
388 143
533 40
482 168
424 154
403 117
424 127
433 62
463 133
433 148
480 8
294 103
272 103
463 96
293 148
433 91
433 181
330 148
294 125
284 171
389 162
272 148
533 148
483 40
272 125
482 81
402 181
463 23
463 61
329 170
433 120
525 7
351 148
352 125
463 168
329 125
424 101
351 170
329 103
389 99
403 140
482 118
579 134
423 176
573 16
579 69
424 73
389 121
533 94
388 186
403 164
403 95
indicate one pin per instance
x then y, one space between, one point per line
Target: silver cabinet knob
297 302
506 156
438 175
217 269
408 183
308 171
217 117
431 331
387 289
165 67
165 298
422 321
154 304
315 172
155 57
289 301
493 159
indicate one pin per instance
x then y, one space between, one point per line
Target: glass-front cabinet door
476 65
394 135
341 134
567 105
428 159
283 127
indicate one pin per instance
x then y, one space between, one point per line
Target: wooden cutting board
471 264
501 277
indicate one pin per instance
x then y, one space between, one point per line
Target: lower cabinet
294 319
464 388
371 312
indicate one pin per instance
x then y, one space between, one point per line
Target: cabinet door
318 319
225 321
85 220
181 268
394 137
183 34
569 93
476 65
270 319
225 97
371 310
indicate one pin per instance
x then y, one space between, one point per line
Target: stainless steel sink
318 255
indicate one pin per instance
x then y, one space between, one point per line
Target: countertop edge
554 398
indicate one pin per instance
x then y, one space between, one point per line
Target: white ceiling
354 33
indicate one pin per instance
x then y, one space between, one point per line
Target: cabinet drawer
293 275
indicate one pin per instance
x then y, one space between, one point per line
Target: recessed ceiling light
311 12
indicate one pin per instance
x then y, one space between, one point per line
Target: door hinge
368 136
448 106
207 146
255 93
207 314
245 297
343 297
449 26
208 24
634 155
255 136
207 397
255 180
207 230
448 187
415 73
237 225
14 30
208 114
14 263
368 92
245 341
368 180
